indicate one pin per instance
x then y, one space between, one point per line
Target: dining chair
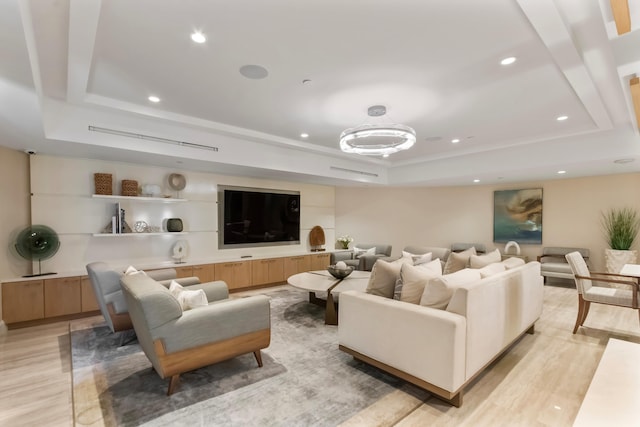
592 287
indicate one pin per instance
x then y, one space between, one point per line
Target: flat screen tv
249 217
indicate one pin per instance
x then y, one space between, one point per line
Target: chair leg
258 356
173 384
587 305
581 307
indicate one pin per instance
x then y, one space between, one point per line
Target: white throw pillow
491 269
417 259
358 252
439 290
513 262
479 261
458 260
383 278
414 279
188 299
132 270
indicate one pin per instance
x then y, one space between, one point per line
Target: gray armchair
363 262
553 262
177 341
106 285
436 252
459 247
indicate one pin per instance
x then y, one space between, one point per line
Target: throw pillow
188 299
479 261
132 270
358 252
417 258
491 269
383 278
414 278
513 262
458 261
439 290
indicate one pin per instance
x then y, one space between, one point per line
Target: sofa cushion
491 269
417 258
513 262
479 261
358 252
384 276
415 277
458 261
188 299
438 290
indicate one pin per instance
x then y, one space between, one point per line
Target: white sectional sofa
443 350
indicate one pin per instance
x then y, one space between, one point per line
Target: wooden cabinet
320 261
235 274
296 264
205 272
88 301
186 271
265 271
62 296
22 301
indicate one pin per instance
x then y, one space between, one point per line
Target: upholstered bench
553 263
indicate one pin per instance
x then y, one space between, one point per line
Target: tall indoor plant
621 228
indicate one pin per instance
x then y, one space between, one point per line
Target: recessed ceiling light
254 72
153 98
455 140
562 172
385 155
476 180
622 161
304 135
508 61
198 37
562 118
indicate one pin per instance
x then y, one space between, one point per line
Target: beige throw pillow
479 261
131 270
458 261
439 290
491 269
188 299
383 277
414 279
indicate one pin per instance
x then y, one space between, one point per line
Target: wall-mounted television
250 217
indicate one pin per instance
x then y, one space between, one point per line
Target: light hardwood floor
540 381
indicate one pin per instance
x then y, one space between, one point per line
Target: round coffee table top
322 280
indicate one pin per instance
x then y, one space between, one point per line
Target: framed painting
517 215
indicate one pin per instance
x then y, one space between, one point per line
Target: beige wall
440 216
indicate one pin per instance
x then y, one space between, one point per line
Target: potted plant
621 228
344 241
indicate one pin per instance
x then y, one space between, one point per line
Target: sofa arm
367 261
162 274
421 341
340 256
215 322
184 281
216 291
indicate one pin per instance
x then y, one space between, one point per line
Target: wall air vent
336 168
152 138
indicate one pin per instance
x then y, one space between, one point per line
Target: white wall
440 216
62 199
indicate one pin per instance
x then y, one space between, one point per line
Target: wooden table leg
330 312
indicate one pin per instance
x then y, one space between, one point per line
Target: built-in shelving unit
139 198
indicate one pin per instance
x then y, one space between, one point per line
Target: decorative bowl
339 273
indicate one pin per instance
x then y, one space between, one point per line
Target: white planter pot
615 259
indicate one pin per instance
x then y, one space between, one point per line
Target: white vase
615 259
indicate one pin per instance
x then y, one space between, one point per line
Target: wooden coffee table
323 281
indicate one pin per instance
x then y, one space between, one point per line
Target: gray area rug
305 381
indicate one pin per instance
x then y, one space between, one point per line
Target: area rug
305 381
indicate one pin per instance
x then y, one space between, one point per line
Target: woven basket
129 187
103 183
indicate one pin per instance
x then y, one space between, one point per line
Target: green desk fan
37 242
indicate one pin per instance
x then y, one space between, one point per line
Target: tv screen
257 217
